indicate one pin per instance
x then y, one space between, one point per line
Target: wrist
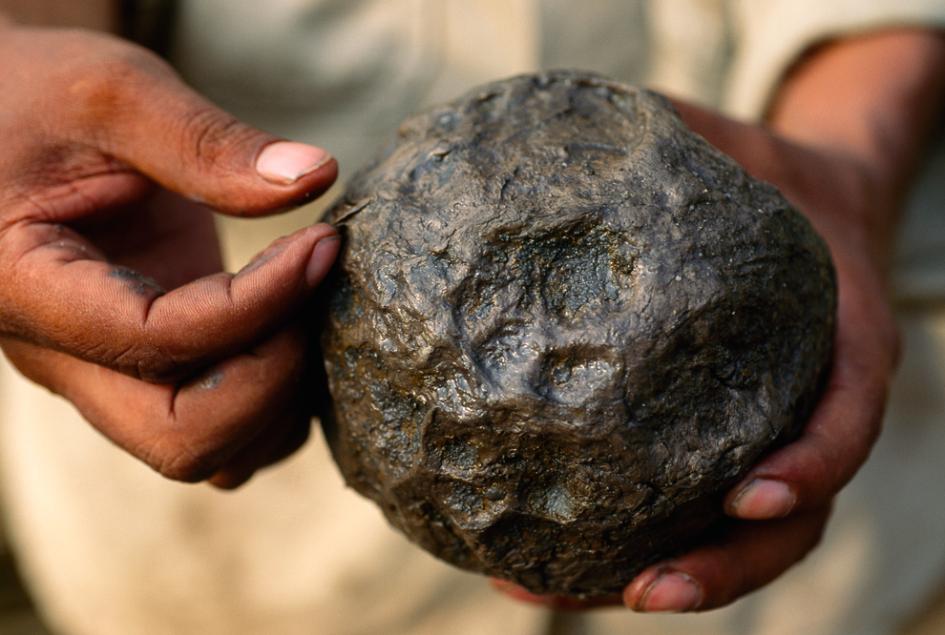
867 196
867 104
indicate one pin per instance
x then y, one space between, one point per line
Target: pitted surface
562 324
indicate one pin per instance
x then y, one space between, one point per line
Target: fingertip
634 592
518 592
555 602
303 172
670 591
320 231
322 258
285 162
311 252
761 499
509 588
274 192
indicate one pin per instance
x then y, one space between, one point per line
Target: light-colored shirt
342 74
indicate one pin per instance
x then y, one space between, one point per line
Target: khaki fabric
110 548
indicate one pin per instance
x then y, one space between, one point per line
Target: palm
162 235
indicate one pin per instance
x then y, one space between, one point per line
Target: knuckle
211 138
830 464
819 472
811 530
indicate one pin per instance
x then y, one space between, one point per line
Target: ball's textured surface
562 325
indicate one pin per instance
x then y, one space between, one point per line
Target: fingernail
323 256
285 162
671 592
763 499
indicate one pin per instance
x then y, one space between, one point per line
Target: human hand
110 287
847 132
844 138
782 505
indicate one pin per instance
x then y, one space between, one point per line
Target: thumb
161 127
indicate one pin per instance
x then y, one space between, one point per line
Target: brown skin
193 371
78 179
101 15
843 139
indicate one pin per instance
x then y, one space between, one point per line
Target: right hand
111 293
777 525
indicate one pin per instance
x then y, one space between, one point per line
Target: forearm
874 98
101 15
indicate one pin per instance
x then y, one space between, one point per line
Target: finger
158 125
186 432
118 318
807 473
290 433
750 556
556 602
151 235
